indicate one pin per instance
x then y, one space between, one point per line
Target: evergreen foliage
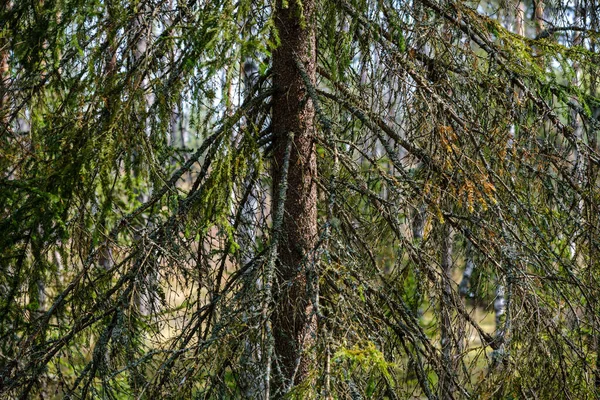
139 230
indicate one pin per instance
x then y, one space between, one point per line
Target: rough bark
446 386
294 319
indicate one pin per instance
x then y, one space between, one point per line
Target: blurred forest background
338 199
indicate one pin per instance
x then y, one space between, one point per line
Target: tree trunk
446 383
520 19
539 17
294 319
576 156
463 288
148 280
4 79
591 208
252 377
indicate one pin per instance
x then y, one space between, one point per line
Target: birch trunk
463 287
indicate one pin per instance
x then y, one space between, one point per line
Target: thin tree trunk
4 77
539 17
446 385
463 287
504 284
294 318
252 376
146 298
520 18
591 206
578 160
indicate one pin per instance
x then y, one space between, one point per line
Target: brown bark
294 321
539 17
